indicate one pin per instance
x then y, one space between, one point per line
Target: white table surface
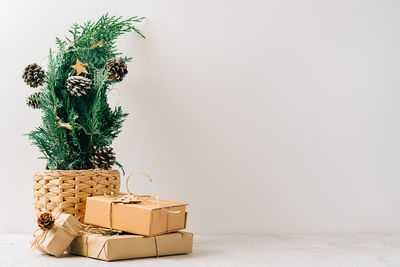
236 250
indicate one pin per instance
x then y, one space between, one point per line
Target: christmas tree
78 125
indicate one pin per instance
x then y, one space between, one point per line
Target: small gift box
120 247
55 233
146 216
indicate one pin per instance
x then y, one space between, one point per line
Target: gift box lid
149 204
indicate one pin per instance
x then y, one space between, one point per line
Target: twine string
101 249
139 198
156 242
110 214
86 244
86 247
104 247
39 239
133 173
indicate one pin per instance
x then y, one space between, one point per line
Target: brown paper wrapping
147 218
56 240
120 247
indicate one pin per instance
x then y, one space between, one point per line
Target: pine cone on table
33 100
117 69
104 158
78 85
33 75
46 221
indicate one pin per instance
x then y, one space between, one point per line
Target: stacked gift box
132 227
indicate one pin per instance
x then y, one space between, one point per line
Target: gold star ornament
79 67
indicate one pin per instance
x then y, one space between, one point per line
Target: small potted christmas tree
78 125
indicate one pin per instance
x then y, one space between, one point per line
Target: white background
265 116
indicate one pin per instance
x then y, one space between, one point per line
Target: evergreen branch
92 122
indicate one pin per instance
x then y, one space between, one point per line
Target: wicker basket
68 190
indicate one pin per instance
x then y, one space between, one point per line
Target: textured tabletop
236 250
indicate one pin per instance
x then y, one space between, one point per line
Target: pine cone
33 75
33 100
46 221
77 85
104 158
117 69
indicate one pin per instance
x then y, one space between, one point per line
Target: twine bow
38 239
131 198
39 236
128 198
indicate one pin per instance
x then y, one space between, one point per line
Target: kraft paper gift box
120 247
148 217
56 240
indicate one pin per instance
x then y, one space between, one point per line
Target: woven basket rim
86 170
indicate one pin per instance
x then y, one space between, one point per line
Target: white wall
265 116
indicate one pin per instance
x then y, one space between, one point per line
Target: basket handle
133 173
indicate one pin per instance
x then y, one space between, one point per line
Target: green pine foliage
94 123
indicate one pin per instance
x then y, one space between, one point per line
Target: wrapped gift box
120 247
56 240
149 217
